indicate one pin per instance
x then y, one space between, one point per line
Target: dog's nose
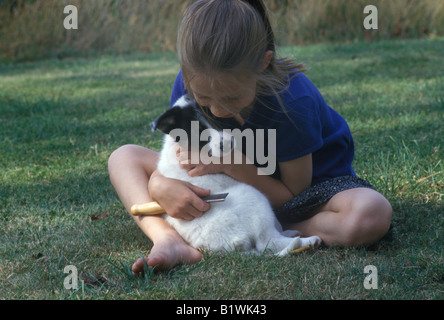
153 125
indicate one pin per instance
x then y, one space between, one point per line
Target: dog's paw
291 233
313 241
292 245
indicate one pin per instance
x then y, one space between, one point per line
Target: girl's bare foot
167 253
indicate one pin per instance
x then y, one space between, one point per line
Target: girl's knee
368 221
124 150
132 155
119 154
132 151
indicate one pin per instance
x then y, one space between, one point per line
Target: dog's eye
177 139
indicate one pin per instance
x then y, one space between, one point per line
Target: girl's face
227 96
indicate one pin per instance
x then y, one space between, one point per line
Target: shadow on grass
86 64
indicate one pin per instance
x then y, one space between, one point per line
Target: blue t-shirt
308 125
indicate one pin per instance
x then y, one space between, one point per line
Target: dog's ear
168 120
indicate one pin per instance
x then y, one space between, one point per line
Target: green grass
60 121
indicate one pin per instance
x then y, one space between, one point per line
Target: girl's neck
239 119
244 113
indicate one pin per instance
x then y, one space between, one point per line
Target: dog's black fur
186 110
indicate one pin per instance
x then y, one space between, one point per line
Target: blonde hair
220 36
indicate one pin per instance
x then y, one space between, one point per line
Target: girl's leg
355 217
130 168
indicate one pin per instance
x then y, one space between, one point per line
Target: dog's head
187 124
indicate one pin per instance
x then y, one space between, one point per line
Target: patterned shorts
304 205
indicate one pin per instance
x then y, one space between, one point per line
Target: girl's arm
183 203
296 176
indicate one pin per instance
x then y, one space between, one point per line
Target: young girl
229 65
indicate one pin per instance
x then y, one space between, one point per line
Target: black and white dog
245 221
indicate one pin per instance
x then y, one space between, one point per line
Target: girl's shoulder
300 101
300 86
178 89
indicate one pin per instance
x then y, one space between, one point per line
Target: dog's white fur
244 222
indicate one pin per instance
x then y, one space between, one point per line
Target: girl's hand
180 199
199 169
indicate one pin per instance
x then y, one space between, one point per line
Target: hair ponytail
260 7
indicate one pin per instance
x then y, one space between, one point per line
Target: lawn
61 119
